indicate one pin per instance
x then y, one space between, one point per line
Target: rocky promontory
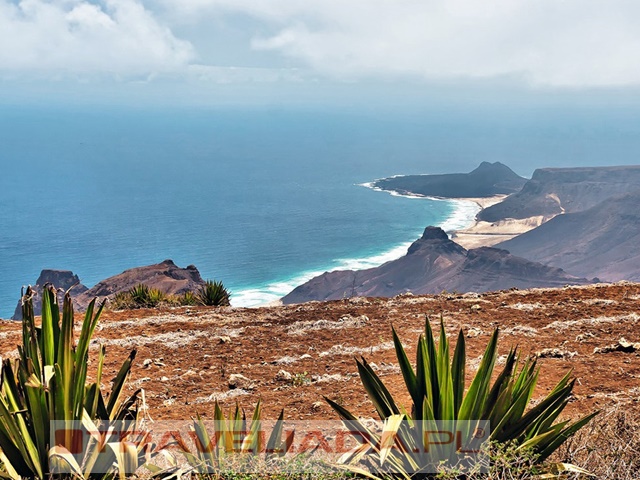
488 180
432 264
165 276
63 280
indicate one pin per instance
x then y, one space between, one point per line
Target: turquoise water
260 199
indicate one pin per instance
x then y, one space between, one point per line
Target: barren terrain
294 355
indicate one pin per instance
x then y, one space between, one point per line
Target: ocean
259 198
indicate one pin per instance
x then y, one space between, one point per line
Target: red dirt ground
194 351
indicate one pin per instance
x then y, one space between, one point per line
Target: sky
210 50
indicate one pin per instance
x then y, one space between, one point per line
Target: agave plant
232 442
144 296
46 388
437 390
187 298
214 293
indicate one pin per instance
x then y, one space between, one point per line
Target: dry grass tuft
609 447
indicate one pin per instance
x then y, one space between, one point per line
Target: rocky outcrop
432 264
62 280
603 241
552 191
487 180
165 276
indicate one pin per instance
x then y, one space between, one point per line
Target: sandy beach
486 234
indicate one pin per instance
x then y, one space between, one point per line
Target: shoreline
462 217
486 234
474 233
461 225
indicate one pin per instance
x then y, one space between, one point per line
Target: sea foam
463 215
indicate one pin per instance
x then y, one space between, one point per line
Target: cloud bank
570 43
117 37
545 42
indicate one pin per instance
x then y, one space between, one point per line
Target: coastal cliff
552 191
63 280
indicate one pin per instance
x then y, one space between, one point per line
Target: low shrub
214 293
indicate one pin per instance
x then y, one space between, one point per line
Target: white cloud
576 43
547 42
118 37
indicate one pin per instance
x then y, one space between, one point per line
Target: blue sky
252 50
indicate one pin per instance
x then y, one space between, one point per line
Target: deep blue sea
259 198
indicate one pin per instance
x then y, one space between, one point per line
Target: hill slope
603 241
552 191
432 264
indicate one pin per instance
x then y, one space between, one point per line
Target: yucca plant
46 388
437 390
214 293
232 442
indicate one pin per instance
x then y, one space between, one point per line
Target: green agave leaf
408 374
378 393
432 377
275 446
9 471
458 372
62 461
564 435
126 456
113 405
475 399
445 379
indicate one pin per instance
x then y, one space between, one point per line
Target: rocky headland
487 180
563 226
433 264
165 276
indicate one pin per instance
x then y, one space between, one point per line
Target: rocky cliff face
485 181
602 241
165 276
434 263
63 280
552 191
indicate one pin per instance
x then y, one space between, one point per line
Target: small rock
583 336
622 346
164 379
473 332
317 405
476 308
237 380
555 353
305 356
224 339
147 363
283 376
